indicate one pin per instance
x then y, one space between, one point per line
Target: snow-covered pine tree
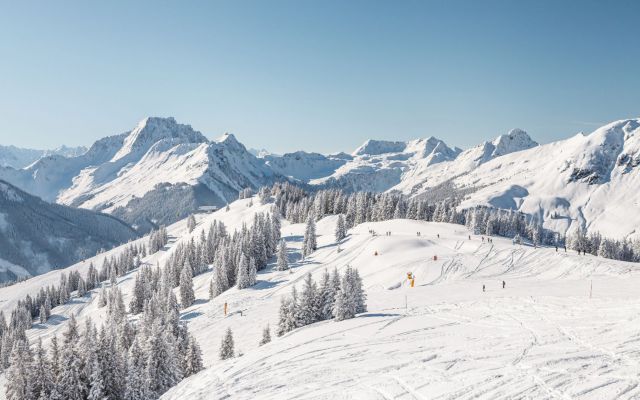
163 369
43 314
253 273
266 335
293 315
55 360
283 317
20 383
309 243
325 297
226 348
244 281
191 223
282 262
42 374
97 390
276 227
359 295
344 306
193 358
220 281
308 312
135 385
264 194
187 295
70 384
341 229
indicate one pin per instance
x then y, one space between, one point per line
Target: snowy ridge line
581 183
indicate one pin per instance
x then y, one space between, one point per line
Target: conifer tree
282 263
326 296
193 358
98 390
266 335
308 312
360 298
43 314
341 230
42 374
309 243
187 295
136 388
283 317
70 383
163 370
253 273
19 385
226 348
243 272
191 223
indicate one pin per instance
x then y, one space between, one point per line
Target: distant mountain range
162 170
16 157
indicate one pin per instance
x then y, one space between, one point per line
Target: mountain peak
153 129
374 147
228 138
515 140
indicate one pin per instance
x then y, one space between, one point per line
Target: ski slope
543 336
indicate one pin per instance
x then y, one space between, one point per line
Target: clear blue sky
317 75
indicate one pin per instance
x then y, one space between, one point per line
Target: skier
469 237
503 284
438 236
483 288
225 308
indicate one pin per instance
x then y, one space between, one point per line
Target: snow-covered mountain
36 237
162 170
587 181
16 157
157 173
376 166
305 166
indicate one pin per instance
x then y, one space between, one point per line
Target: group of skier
484 287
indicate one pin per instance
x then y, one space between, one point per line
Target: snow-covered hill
36 236
15 157
564 326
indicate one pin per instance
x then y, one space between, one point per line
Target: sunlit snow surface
541 337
